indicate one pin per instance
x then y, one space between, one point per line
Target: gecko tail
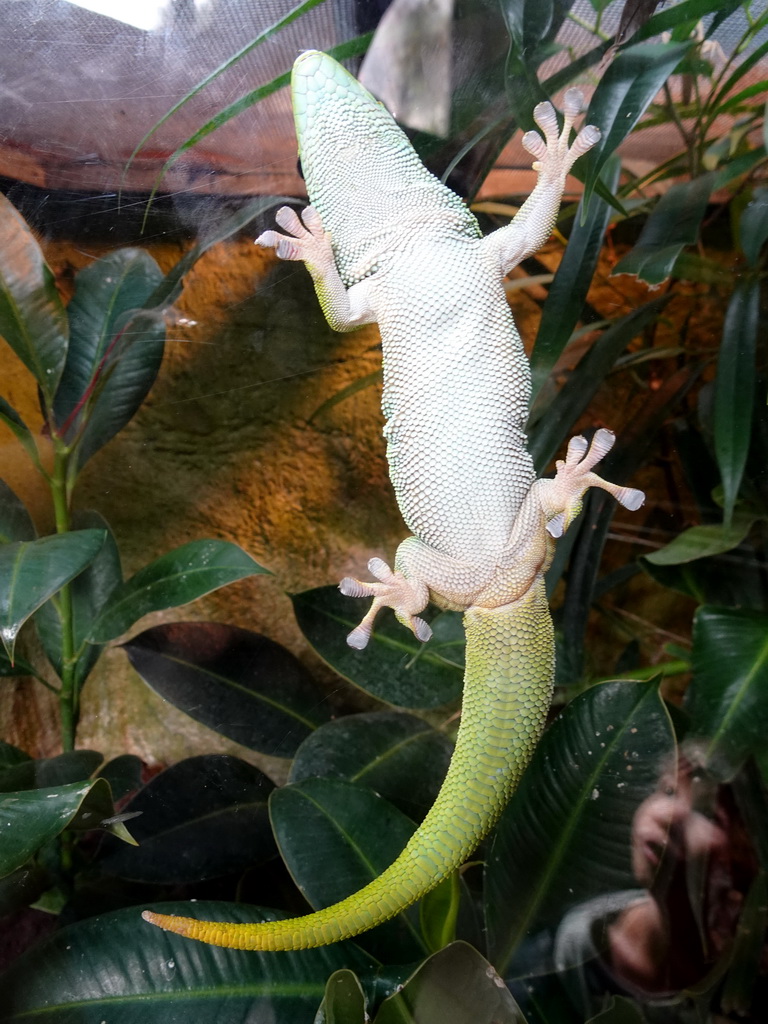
507 691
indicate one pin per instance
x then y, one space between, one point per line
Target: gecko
386 242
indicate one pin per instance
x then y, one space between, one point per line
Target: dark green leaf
123 773
115 349
22 887
32 317
175 578
119 969
702 542
565 836
753 227
455 986
89 592
344 1000
10 756
565 301
397 755
18 427
734 388
335 837
205 817
728 698
620 1011
15 522
32 571
395 667
622 95
673 224
550 432
30 818
239 683
49 772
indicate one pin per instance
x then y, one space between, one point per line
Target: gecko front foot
306 241
554 156
394 590
561 497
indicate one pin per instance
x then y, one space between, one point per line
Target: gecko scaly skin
386 242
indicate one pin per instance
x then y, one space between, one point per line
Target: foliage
215 829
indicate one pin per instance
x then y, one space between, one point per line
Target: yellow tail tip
168 923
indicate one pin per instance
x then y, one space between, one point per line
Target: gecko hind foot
393 590
554 157
306 240
563 495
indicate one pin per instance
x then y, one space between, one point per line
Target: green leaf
173 579
565 302
15 522
242 684
31 818
753 225
10 756
439 912
344 1000
115 349
728 697
32 571
395 667
673 224
702 542
205 817
18 427
119 969
455 986
549 433
399 756
622 95
565 836
48 772
734 388
335 837
32 317
123 773
89 592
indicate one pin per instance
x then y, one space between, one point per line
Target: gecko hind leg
394 590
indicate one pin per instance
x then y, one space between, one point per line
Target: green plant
211 827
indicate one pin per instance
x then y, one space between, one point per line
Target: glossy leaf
115 349
734 388
566 835
89 592
15 522
123 773
702 542
32 571
335 837
205 817
32 317
565 301
728 697
23 434
674 222
399 756
118 968
10 756
173 579
623 93
455 986
753 226
344 1000
550 432
439 912
33 817
395 667
49 772
239 683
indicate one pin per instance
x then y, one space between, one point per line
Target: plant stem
67 694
